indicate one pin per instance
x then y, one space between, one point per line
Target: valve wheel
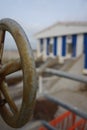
14 117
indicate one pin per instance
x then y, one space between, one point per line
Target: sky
34 15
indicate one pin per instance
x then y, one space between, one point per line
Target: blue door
74 40
48 43
64 46
85 51
55 46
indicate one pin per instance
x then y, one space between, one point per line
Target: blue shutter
74 40
85 50
41 45
55 46
48 43
64 46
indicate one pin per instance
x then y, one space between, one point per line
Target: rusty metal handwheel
17 118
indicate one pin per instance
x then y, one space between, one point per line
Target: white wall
59 50
44 49
80 45
68 41
43 53
51 54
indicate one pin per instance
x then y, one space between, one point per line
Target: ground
68 91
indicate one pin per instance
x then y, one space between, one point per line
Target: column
59 46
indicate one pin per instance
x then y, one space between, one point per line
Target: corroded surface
17 118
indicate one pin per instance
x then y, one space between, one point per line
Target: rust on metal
17 118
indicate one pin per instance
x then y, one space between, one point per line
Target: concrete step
66 67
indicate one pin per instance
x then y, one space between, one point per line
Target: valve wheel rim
29 75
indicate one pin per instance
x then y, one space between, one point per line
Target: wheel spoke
14 79
4 89
10 67
2 38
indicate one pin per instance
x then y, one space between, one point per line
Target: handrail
63 74
66 106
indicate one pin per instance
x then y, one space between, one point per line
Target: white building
63 40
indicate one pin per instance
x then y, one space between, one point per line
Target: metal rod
79 78
66 106
50 62
41 123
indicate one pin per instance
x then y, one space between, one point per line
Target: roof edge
66 23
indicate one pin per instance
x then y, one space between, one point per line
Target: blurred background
34 15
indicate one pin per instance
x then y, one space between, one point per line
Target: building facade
63 40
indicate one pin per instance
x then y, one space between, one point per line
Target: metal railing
63 74
79 78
